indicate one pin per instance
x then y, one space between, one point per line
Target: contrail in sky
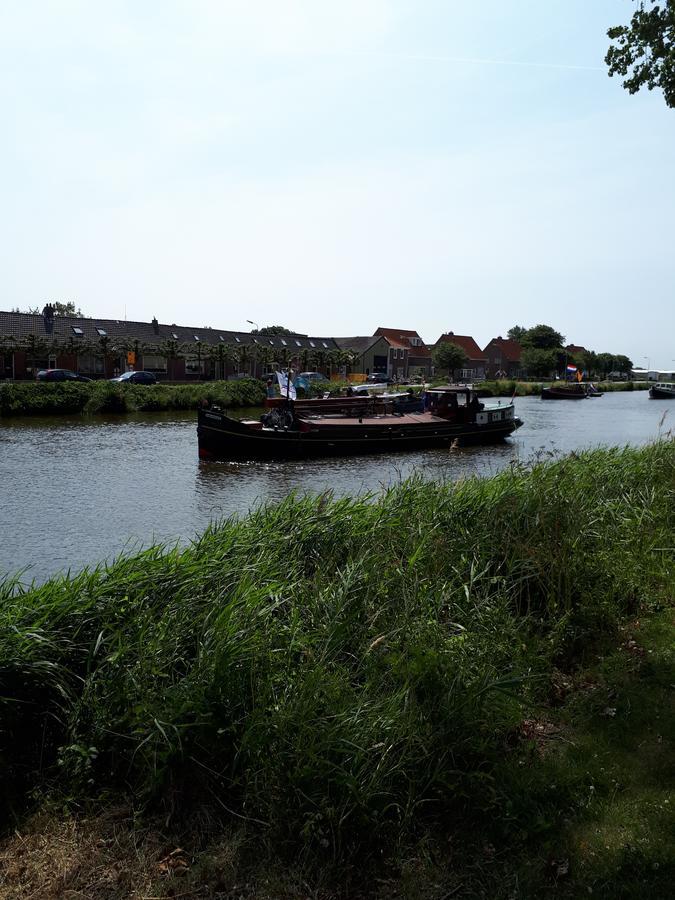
473 60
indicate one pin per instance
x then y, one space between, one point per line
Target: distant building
503 358
474 368
372 353
409 356
102 348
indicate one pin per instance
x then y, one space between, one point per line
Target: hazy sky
336 166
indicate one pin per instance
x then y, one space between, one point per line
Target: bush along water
339 672
108 397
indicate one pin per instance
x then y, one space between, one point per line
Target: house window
298 343
77 331
284 342
312 344
92 365
325 344
238 340
154 363
194 366
271 343
197 338
222 338
174 335
102 332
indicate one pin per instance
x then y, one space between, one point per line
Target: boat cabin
453 403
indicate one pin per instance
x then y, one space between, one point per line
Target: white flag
284 388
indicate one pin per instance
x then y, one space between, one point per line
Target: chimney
48 315
155 325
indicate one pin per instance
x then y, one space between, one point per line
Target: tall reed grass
338 672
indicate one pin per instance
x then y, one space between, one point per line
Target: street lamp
253 323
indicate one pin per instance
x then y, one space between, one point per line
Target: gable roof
466 342
510 350
400 338
359 344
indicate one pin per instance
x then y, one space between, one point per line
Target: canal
76 491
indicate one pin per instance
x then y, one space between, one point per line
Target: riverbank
507 388
90 398
353 685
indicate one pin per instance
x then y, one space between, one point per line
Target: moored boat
452 416
662 390
565 392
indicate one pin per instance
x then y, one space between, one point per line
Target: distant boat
565 392
663 390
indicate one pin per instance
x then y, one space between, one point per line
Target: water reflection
76 490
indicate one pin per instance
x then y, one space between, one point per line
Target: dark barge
451 416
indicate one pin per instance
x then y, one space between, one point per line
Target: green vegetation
644 51
20 399
450 356
351 678
508 387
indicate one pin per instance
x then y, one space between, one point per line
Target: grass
353 682
105 397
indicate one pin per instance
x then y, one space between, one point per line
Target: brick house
409 356
474 369
503 358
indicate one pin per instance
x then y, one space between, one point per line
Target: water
76 491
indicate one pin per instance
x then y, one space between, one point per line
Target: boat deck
403 419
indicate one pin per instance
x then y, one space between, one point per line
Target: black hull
221 437
659 394
557 394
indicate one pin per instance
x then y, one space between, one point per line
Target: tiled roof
510 350
21 325
400 338
358 344
466 342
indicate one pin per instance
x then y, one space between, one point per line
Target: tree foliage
643 52
447 355
542 337
273 329
539 362
516 333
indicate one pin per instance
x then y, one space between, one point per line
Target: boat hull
562 394
658 393
222 437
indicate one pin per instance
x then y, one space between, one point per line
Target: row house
103 348
502 358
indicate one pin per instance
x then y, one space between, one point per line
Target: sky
337 165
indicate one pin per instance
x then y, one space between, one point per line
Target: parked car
60 375
313 376
136 378
377 378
